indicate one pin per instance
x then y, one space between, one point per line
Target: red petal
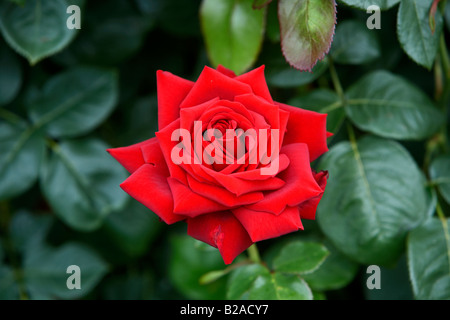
220 230
131 157
220 195
242 186
256 79
189 203
300 183
256 173
264 225
308 208
171 92
284 119
166 144
268 110
211 84
308 127
226 71
149 186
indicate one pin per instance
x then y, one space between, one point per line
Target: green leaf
258 4
233 32
75 102
300 257
272 25
354 43
429 260
37 29
132 228
256 282
212 276
81 183
307 28
394 283
129 287
390 106
45 270
364 4
414 32
283 76
336 272
11 75
21 150
27 230
179 17
242 279
19 2
104 41
375 196
189 262
440 175
279 286
447 17
323 101
9 289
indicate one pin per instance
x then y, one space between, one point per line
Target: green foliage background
67 95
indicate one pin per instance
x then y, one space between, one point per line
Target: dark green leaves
258 4
70 104
283 76
440 175
285 282
364 4
75 102
21 150
241 281
307 29
132 228
429 260
390 106
191 259
279 286
323 101
354 43
45 271
255 282
81 182
11 75
8 288
414 31
376 196
300 257
37 29
233 32
335 272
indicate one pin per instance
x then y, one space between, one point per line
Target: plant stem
351 134
440 212
335 79
253 253
9 116
444 57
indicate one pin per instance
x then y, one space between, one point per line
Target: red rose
228 160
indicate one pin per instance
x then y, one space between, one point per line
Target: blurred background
60 201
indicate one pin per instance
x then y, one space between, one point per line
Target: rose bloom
258 191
